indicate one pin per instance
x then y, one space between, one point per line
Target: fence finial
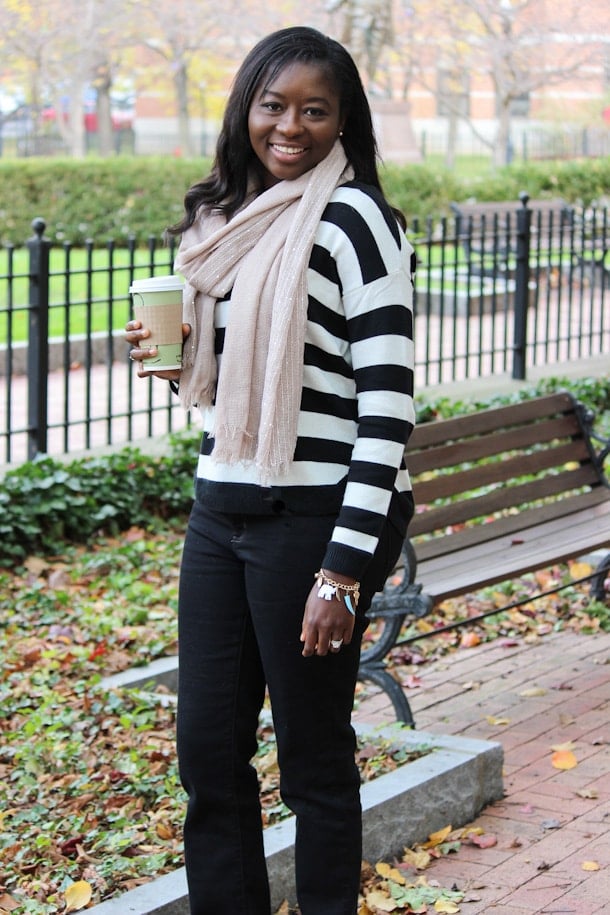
38 225
524 198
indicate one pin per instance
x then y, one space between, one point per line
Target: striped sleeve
372 261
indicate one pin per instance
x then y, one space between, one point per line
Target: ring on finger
336 643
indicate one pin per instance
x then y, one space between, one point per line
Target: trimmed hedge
128 196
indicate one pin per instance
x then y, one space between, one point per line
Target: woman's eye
316 112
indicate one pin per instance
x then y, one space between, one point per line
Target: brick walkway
547 692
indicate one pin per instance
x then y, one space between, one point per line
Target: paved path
539 694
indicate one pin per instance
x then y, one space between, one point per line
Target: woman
299 355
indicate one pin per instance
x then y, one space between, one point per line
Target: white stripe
384 403
371 498
382 451
355 539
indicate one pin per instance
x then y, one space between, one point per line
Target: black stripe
386 211
356 228
330 320
323 451
385 427
323 360
322 261
328 404
384 378
391 319
378 475
361 520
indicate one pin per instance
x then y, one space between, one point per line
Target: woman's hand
326 621
136 334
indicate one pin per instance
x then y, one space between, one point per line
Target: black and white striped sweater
356 408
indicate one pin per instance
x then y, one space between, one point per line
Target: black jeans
244 583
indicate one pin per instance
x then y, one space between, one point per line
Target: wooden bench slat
463 481
469 449
485 421
544 545
499 499
484 535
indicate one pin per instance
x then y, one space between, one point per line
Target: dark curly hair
225 187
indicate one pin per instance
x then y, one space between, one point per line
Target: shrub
128 196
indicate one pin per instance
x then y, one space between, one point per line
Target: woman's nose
290 124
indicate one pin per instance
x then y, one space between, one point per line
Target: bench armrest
600 455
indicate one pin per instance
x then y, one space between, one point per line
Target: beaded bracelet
328 588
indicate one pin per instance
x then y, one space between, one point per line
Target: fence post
522 282
38 339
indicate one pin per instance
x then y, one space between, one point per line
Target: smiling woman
299 353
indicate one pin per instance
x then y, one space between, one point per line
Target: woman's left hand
327 624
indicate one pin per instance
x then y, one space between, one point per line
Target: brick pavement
547 692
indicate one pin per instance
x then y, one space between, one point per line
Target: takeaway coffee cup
157 303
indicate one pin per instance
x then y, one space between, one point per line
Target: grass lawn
88 290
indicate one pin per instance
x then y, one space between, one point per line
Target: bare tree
367 30
71 49
521 46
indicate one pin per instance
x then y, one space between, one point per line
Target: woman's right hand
136 334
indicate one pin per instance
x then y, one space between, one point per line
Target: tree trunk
78 145
104 117
502 154
184 132
452 127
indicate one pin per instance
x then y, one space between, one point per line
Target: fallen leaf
470 640
580 569
590 866
588 793
492 720
78 895
446 906
8 904
569 745
486 841
534 691
436 838
380 901
419 859
564 759
164 831
389 873
551 824
527 808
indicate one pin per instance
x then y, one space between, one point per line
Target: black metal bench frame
566 481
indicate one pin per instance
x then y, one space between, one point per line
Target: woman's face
294 121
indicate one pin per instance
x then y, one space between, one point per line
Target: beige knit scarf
261 256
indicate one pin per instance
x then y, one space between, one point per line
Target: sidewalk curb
448 786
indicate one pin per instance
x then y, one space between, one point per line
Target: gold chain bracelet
329 588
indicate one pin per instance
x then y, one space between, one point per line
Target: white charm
327 592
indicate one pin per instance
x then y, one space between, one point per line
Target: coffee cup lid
157 284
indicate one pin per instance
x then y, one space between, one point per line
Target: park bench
500 493
487 231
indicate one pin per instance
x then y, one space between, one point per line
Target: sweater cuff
345 560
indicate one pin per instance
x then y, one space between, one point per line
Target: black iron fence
498 291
